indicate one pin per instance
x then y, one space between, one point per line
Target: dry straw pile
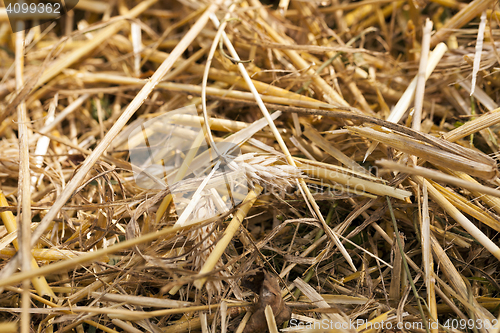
368 135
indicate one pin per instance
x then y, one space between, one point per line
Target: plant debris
267 287
153 153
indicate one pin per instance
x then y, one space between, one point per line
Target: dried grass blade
140 300
43 143
421 76
236 139
451 237
355 183
262 87
243 322
343 299
338 169
320 302
319 140
186 324
484 121
123 119
61 116
84 292
399 242
182 220
180 174
137 315
40 284
211 91
53 305
271 321
228 235
479 49
492 201
395 288
223 317
126 327
386 12
87 257
468 207
281 142
9 327
44 254
458 288
185 65
471 185
404 102
204 322
24 193
460 218
379 319
460 19
427 258
478 93
328 93
429 153
311 294
98 39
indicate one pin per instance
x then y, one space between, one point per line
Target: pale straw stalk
278 137
125 116
460 218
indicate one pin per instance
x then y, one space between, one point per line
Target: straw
479 49
64 62
458 20
283 147
306 107
460 218
421 76
231 229
24 216
132 107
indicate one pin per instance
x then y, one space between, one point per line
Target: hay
369 201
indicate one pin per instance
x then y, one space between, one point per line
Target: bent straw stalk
123 119
261 172
405 100
97 40
283 146
182 87
282 231
39 283
460 218
231 229
458 20
65 265
437 175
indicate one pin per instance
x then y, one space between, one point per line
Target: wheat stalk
262 171
206 238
